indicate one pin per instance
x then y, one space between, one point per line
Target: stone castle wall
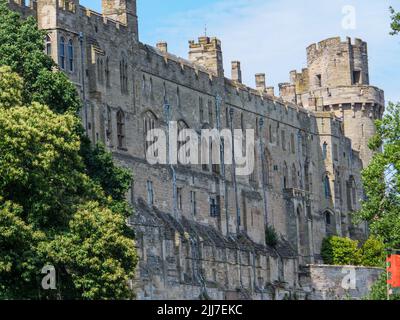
308 155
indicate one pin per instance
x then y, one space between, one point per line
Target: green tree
395 25
61 198
381 180
22 48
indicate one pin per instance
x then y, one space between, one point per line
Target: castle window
179 192
150 193
242 121
99 71
210 113
292 143
351 194
201 110
70 56
107 70
327 187
178 97
267 168
271 138
149 123
253 175
357 77
283 134
335 152
193 203
48 45
109 126
324 151
294 176
285 176
62 53
123 71
318 80
121 129
328 219
214 207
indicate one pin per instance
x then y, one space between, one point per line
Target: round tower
339 82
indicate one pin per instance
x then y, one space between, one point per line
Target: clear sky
271 36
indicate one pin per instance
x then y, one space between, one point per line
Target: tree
381 180
395 25
22 49
61 199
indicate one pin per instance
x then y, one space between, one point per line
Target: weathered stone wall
307 177
338 282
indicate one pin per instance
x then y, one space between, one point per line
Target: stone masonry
201 230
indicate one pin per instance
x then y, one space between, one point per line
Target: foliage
373 253
10 88
22 49
381 181
395 25
340 251
61 199
271 236
379 290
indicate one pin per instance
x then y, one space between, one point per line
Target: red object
394 271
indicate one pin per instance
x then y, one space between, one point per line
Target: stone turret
207 52
337 80
123 11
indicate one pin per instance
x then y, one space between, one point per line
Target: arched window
109 125
210 113
62 53
294 176
267 168
70 56
253 175
48 45
178 97
285 176
201 110
327 187
271 138
107 70
99 71
328 219
121 129
123 75
351 194
149 123
324 151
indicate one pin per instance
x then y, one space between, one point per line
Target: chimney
162 46
293 76
270 91
260 81
236 72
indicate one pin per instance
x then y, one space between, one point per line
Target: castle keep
202 231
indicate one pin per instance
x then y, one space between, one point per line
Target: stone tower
337 80
207 52
123 11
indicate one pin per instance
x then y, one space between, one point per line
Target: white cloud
271 36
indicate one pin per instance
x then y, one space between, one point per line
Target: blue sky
271 36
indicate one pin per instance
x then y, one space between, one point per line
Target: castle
202 231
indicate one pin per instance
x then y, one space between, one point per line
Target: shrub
373 253
340 251
271 236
